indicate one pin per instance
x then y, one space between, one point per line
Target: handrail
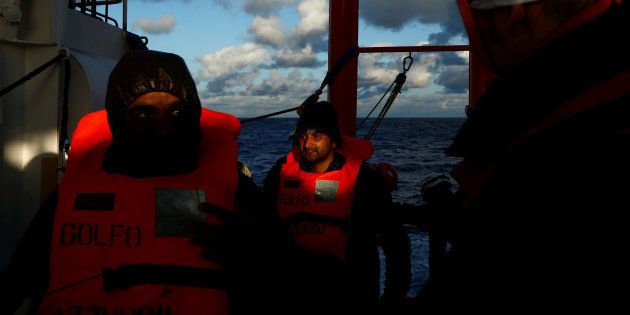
423 48
89 7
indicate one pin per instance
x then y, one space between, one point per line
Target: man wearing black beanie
330 204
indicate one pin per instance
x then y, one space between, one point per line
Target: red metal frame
427 48
343 35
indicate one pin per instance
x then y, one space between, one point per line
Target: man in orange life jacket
113 237
330 203
544 181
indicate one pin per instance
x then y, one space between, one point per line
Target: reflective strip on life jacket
318 206
121 245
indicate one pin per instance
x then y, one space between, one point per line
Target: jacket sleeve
26 275
272 182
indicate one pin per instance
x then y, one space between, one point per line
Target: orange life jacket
103 222
317 206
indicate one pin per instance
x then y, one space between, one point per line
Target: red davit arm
344 34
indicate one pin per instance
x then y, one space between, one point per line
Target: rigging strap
63 53
398 83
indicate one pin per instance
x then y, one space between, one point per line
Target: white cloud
276 91
371 71
264 7
267 30
231 59
164 25
395 14
382 69
420 74
277 83
313 18
464 55
304 40
296 58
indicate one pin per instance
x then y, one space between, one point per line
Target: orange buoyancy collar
121 245
318 206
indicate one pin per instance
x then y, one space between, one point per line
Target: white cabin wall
29 114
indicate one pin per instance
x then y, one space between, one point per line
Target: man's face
315 146
158 123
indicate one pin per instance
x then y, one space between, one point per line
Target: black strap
126 276
330 75
64 140
295 218
38 70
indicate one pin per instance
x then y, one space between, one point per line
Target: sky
252 57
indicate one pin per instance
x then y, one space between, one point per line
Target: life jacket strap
126 276
295 218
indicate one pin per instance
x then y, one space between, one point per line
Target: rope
62 54
312 99
309 100
398 83
375 106
68 286
269 115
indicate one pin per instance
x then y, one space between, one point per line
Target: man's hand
235 237
438 193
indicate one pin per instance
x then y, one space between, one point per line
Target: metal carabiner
406 66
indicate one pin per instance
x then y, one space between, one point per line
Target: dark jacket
546 227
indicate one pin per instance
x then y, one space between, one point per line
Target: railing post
125 15
343 35
93 8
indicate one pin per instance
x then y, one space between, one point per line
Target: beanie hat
142 71
491 4
322 117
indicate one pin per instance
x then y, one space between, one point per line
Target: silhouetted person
544 179
396 245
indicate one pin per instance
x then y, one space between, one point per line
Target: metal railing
91 8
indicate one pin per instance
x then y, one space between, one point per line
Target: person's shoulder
367 174
281 160
367 170
274 173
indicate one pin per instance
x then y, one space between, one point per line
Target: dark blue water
414 146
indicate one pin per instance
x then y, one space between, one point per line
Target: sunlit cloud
232 59
304 58
163 25
264 7
267 30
